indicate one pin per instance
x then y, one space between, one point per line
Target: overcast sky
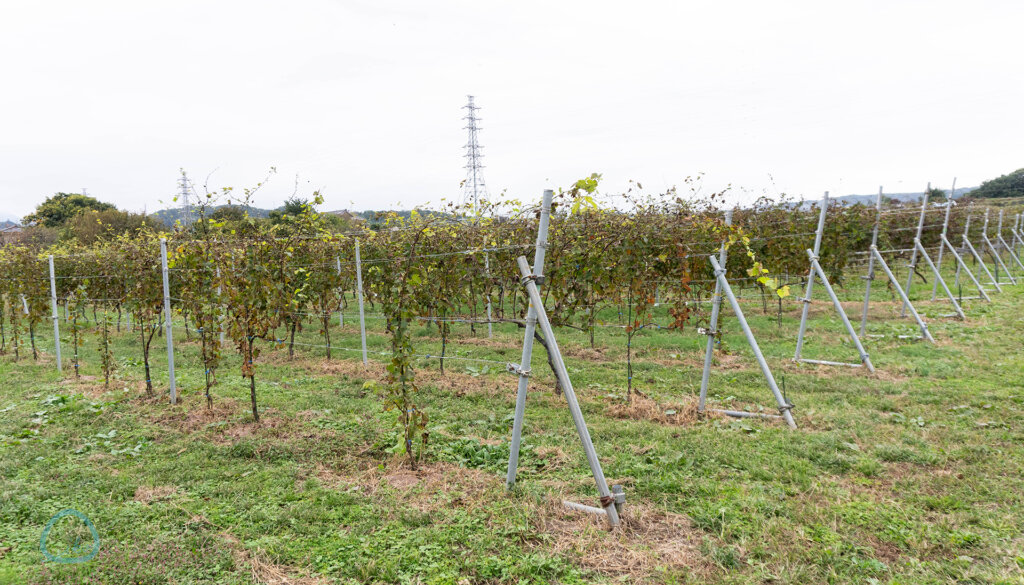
362 98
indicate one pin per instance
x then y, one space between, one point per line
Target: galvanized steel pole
167 320
995 253
977 257
527 356
903 295
913 255
939 279
967 227
864 358
56 316
945 230
960 264
1005 244
359 292
871 263
810 279
487 272
784 407
712 331
607 501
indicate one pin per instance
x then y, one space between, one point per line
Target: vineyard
786 392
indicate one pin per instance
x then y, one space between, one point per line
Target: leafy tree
936 195
61 208
229 213
94 226
1011 185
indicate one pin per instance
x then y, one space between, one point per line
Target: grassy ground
913 475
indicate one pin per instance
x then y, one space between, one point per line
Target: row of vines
251 283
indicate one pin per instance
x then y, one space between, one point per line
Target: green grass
911 476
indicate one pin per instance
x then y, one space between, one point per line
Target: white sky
362 98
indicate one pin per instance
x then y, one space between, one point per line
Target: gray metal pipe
362 314
842 314
945 230
940 280
981 261
784 407
995 253
961 265
903 295
967 227
744 414
487 272
167 320
810 280
871 263
527 356
913 256
716 308
56 315
607 500
831 363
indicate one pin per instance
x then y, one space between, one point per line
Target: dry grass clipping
648 540
641 407
266 572
147 494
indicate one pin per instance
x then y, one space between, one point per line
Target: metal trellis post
531 325
939 279
961 265
487 272
1007 246
871 263
712 332
810 279
784 407
359 292
864 358
56 315
607 500
903 295
168 320
945 230
995 252
913 255
981 261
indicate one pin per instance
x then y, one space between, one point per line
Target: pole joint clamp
518 370
537 279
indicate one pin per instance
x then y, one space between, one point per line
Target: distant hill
1011 185
170 216
904 197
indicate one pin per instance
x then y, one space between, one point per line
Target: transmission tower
186 205
474 189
